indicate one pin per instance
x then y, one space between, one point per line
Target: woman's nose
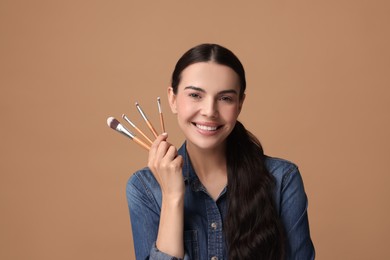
209 108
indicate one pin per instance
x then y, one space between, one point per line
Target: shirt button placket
215 236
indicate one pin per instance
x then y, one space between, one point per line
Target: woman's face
207 104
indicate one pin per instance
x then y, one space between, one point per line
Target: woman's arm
166 166
144 200
144 212
158 231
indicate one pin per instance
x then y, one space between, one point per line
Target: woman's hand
166 166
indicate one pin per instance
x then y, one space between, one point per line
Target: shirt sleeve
158 255
294 216
144 215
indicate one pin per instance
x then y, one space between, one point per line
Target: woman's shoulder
277 165
283 170
289 187
142 186
144 175
142 179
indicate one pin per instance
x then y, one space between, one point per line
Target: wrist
173 201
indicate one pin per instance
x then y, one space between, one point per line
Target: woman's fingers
171 152
154 149
161 154
156 143
178 162
168 163
166 166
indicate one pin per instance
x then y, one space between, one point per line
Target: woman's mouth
210 128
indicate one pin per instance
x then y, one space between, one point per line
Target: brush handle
141 143
144 135
136 128
162 123
151 128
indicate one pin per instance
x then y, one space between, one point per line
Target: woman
218 196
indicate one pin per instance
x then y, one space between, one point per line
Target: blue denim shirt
203 217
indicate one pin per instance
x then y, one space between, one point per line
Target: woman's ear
172 100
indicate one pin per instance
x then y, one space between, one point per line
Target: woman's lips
207 127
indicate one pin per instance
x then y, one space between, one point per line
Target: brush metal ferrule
123 130
128 121
159 105
141 112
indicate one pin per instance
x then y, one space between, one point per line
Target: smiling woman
218 196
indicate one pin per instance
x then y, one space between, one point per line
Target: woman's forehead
209 74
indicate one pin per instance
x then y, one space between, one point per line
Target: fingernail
164 134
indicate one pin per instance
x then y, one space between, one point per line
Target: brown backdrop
318 94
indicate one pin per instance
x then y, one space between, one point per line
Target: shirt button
214 258
214 226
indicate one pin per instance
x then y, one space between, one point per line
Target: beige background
318 94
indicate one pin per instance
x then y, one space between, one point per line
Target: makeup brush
116 125
136 128
146 119
161 115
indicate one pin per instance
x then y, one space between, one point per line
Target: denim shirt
203 216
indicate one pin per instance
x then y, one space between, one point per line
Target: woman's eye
226 98
194 95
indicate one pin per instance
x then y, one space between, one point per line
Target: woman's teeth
206 128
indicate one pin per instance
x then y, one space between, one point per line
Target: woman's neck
210 167
206 161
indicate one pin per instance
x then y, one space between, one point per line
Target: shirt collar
189 174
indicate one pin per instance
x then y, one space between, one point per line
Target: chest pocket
191 244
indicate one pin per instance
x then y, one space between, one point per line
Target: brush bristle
112 122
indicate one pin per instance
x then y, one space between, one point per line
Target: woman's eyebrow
195 88
227 91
